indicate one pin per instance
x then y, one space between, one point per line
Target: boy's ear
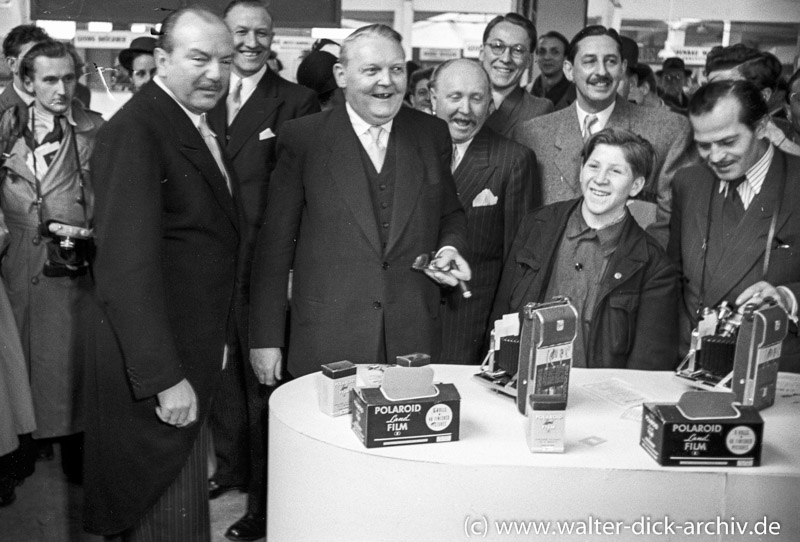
636 187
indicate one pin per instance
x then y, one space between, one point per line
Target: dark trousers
228 422
181 513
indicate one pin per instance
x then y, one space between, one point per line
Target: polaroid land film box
379 422
674 440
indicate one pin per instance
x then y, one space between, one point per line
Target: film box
673 439
333 387
380 422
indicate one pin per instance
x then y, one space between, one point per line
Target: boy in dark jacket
592 250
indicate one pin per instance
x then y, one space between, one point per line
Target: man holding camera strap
46 209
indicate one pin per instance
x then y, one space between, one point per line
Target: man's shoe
215 489
250 527
7 485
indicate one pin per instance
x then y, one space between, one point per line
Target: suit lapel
255 115
194 149
408 179
749 242
474 170
569 144
344 165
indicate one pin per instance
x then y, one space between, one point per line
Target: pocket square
484 199
266 134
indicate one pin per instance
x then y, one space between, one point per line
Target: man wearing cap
316 72
673 75
248 121
595 64
138 61
507 52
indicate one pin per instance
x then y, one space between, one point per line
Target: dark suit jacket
557 141
496 167
167 240
347 287
250 144
518 107
742 262
10 98
634 323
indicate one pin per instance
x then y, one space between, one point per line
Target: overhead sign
116 39
692 56
439 55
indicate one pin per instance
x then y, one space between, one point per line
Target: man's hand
267 364
448 268
177 405
758 292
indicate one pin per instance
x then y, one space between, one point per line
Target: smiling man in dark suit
497 184
363 188
248 120
167 230
736 218
595 64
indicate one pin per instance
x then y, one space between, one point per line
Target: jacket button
385 224
36 239
376 305
385 265
617 276
35 280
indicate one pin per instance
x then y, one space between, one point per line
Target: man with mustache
497 184
735 222
358 193
595 64
168 227
247 121
507 52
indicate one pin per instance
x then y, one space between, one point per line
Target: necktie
211 142
456 158
733 190
234 101
376 150
589 124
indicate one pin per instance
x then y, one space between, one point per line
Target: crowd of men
222 233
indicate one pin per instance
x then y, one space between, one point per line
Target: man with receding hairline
358 193
167 229
497 184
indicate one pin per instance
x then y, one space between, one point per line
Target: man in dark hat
316 72
673 75
138 61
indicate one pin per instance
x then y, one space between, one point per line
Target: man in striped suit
497 183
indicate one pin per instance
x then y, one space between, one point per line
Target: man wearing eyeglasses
673 75
508 42
595 64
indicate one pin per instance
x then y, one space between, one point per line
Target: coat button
385 266
36 239
376 305
385 224
35 280
617 276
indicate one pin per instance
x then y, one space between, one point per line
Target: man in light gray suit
594 63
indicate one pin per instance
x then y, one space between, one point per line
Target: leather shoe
215 489
250 527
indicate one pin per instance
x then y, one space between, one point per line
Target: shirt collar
602 116
464 145
195 118
608 237
249 83
361 126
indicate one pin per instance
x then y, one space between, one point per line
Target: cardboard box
380 422
334 383
673 439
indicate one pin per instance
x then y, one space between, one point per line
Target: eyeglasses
674 77
498 48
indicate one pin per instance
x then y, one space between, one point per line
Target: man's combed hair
48 48
247 3
589 31
513 18
21 35
557 36
370 31
638 151
753 107
165 38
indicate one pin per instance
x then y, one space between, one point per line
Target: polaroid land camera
533 354
738 351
